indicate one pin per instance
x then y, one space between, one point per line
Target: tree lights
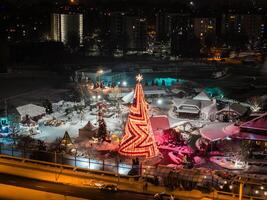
138 140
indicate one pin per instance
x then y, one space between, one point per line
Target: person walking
145 187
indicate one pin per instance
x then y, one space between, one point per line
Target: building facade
182 35
162 26
204 27
67 28
253 26
136 30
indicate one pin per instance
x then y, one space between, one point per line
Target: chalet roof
31 110
192 102
236 107
187 105
202 96
66 140
88 127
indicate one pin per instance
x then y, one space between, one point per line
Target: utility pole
6 108
241 185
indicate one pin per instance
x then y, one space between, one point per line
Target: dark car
109 188
163 196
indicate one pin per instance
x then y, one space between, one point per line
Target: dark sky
150 1
199 3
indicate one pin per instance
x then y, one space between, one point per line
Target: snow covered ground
73 122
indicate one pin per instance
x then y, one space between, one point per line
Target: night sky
260 2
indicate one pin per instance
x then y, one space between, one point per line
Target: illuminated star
139 78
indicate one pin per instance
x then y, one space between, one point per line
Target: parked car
163 196
109 188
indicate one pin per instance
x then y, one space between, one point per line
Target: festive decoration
139 78
138 140
66 142
102 130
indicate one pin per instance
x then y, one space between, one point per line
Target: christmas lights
138 140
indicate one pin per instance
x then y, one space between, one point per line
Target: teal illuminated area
4 125
214 92
167 81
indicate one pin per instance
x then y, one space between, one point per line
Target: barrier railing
113 167
108 165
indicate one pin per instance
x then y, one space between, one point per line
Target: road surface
87 193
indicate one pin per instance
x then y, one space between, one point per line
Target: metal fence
182 179
110 165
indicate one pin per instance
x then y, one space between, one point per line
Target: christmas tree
102 130
138 140
102 127
66 143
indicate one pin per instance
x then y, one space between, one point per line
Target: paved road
87 193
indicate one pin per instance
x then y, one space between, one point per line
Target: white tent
128 98
202 96
209 112
31 110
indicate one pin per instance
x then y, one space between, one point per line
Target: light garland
138 140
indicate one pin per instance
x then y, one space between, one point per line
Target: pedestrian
156 181
145 187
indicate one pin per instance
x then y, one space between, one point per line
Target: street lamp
124 83
99 72
159 101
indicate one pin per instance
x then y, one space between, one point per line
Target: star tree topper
139 78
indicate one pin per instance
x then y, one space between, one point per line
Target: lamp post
159 102
124 83
99 72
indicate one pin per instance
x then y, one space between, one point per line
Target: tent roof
89 127
128 98
259 123
250 136
218 131
31 110
66 139
160 122
202 96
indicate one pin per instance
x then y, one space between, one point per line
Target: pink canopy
250 136
159 123
218 131
257 124
255 129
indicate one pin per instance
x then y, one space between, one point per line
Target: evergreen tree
48 106
102 129
163 83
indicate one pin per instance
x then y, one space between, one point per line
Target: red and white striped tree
138 139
